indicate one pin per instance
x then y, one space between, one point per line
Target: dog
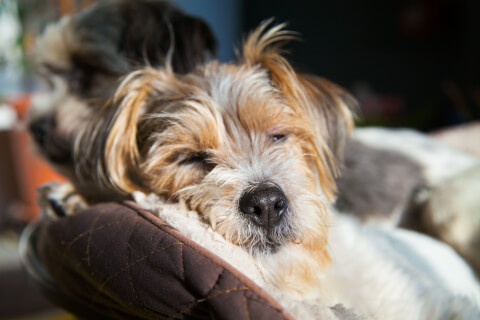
253 149
83 58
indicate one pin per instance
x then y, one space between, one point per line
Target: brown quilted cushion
124 262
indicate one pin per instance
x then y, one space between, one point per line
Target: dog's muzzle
40 128
264 204
55 146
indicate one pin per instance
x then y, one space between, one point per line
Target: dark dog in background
84 57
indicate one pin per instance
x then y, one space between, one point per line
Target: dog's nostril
250 209
264 205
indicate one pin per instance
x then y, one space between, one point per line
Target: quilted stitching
89 231
128 254
245 306
216 294
89 240
128 266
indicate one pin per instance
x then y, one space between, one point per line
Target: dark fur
374 183
119 36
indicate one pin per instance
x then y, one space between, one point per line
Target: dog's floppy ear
326 109
334 108
106 148
121 153
109 148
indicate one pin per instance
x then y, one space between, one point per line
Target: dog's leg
59 199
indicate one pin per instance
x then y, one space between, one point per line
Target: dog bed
116 260
119 261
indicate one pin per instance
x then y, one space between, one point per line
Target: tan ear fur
122 154
106 149
110 148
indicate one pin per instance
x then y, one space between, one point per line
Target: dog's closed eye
196 158
192 157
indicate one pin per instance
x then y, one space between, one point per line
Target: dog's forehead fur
226 113
224 104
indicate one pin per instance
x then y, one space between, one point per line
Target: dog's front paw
59 199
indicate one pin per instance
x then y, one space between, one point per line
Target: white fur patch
397 274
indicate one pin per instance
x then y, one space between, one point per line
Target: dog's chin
270 242
264 248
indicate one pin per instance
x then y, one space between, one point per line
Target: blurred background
412 63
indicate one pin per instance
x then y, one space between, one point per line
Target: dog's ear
326 109
333 108
121 153
109 148
110 140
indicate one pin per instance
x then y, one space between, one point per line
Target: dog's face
236 152
251 146
83 58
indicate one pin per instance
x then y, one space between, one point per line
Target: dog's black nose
40 128
264 204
